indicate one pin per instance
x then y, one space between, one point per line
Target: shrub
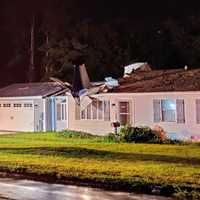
76 134
112 137
142 135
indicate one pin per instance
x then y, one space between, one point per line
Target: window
28 105
83 116
61 111
58 112
106 110
63 114
89 111
124 113
198 111
17 105
169 110
6 105
97 110
94 109
100 110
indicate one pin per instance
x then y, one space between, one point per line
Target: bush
112 138
76 134
142 135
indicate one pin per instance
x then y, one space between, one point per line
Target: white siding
142 112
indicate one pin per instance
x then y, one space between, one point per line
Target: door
125 113
16 116
61 113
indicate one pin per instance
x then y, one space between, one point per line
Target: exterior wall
51 122
98 127
142 112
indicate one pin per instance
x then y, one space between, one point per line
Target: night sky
15 18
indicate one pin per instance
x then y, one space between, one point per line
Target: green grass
91 159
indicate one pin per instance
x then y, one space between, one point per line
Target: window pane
124 107
83 114
168 110
94 109
100 110
89 111
63 112
107 110
58 111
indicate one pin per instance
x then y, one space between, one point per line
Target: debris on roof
128 70
111 82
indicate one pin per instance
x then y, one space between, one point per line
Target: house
33 107
166 98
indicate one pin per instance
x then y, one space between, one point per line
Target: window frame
161 113
62 113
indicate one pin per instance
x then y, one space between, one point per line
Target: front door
61 113
124 112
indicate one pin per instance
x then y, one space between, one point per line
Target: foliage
75 134
186 195
64 31
142 135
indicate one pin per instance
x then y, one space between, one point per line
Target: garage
16 115
33 107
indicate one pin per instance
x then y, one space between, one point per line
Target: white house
33 107
170 99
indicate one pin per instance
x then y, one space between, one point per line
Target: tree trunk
31 73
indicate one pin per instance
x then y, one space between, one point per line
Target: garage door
17 116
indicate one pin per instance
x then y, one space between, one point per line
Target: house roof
160 81
31 89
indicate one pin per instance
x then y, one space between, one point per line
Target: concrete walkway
31 190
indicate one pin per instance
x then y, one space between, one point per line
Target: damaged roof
160 81
31 89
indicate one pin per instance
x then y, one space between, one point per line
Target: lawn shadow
78 152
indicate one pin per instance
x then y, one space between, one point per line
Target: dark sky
15 18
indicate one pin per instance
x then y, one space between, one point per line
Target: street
31 190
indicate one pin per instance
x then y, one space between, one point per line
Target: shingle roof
160 81
31 89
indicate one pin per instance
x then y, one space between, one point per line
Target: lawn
139 167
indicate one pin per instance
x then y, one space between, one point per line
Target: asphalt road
31 190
